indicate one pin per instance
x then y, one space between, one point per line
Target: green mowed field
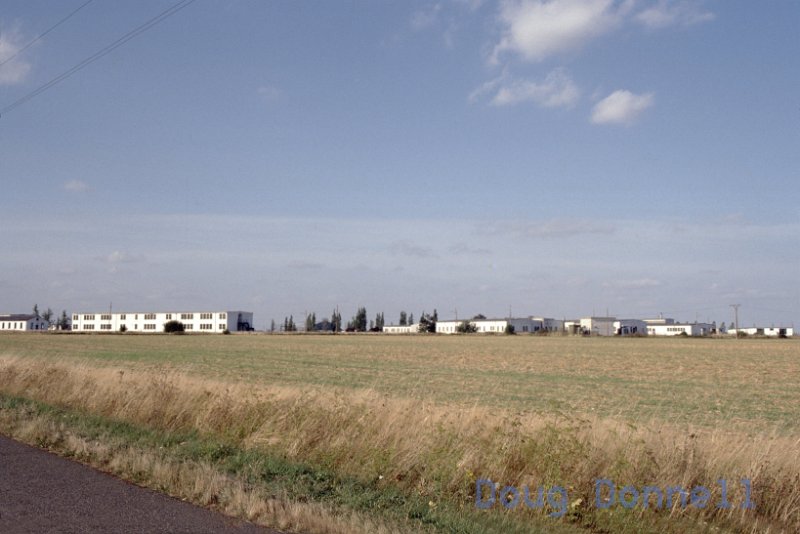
747 384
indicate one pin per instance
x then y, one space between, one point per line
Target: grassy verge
402 464
253 485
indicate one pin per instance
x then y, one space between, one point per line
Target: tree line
357 323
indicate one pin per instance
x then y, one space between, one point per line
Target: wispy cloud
538 29
550 229
124 257
462 248
674 13
621 107
303 265
76 186
16 70
269 93
406 248
425 17
556 90
636 283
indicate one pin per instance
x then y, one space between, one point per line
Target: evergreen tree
36 311
410 319
466 327
272 325
427 324
63 322
48 315
311 320
360 320
403 318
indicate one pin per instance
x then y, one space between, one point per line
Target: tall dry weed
436 450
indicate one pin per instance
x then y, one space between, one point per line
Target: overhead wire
99 54
48 30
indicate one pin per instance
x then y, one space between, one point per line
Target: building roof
17 317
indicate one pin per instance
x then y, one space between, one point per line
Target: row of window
147 316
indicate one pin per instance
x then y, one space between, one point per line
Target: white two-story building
209 322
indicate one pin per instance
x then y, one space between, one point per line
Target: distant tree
379 323
124 328
466 327
403 318
311 320
272 325
372 326
173 327
63 321
336 320
426 324
435 316
48 315
360 320
36 311
480 316
410 319
288 324
510 330
722 328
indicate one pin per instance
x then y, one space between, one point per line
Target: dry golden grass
435 440
196 482
752 385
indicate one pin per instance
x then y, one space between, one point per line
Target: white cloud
638 283
406 248
426 17
16 70
537 29
123 257
621 107
550 229
76 186
669 13
556 90
269 92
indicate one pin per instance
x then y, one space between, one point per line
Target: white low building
207 322
549 324
22 322
521 325
679 329
597 326
630 327
772 331
401 329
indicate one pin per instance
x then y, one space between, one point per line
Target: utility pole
735 316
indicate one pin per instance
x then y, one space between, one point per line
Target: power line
48 30
101 53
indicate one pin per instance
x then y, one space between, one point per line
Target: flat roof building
208 322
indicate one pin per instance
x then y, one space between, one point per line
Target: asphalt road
41 492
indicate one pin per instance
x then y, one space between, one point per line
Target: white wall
11 324
153 322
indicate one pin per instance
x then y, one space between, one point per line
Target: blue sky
561 157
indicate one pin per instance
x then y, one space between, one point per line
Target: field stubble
430 415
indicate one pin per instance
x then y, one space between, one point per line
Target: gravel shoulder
42 492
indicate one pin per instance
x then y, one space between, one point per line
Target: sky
527 157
